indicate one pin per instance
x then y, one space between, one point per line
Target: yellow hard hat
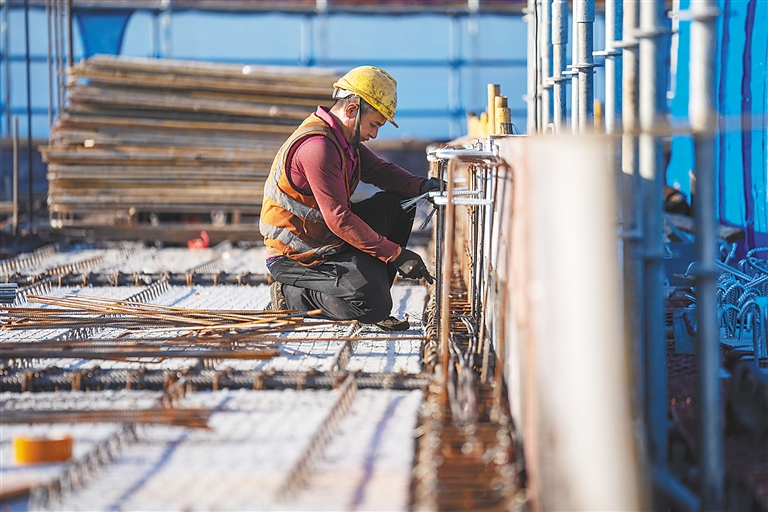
373 85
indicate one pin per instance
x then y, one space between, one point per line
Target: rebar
160 127
134 315
80 471
302 469
190 418
197 379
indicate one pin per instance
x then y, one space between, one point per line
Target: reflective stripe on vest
290 221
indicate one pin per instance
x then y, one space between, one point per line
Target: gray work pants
350 285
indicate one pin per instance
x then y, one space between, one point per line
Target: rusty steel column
446 276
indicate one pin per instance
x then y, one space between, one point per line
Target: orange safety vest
291 222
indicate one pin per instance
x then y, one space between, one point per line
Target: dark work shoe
393 324
277 299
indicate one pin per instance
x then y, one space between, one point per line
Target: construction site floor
255 438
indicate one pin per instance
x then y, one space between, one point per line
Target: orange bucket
36 450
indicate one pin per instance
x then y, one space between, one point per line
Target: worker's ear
350 109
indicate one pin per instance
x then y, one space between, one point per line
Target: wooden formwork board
144 137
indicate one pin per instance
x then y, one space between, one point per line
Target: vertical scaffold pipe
15 218
5 31
446 278
70 36
585 19
574 72
559 42
703 122
632 205
613 33
652 119
545 50
532 67
28 68
49 63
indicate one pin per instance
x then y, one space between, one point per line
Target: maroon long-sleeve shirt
315 167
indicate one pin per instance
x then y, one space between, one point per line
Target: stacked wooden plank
172 137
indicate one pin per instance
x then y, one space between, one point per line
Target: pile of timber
141 138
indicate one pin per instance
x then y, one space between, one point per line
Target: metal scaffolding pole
532 97
545 51
703 123
585 19
652 119
70 36
30 198
613 33
632 205
574 72
454 74
559 42
49 63
7 63
58 51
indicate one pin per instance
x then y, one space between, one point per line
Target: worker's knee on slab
378 307
365 311
370 304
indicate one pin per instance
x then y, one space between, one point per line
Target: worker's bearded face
370 124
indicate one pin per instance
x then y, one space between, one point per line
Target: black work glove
411 266
431 184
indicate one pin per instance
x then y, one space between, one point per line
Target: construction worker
324 251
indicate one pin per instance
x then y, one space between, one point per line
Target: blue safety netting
742 104
102 31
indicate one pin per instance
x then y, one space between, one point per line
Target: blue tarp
102 31
742 103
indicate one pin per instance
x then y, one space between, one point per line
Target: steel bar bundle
89 312
162 136
197 379
192 418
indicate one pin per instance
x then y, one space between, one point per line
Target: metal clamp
705 14
607 53
584 66
626 43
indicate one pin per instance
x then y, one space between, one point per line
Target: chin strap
356 139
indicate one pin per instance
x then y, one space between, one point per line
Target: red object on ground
199 243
